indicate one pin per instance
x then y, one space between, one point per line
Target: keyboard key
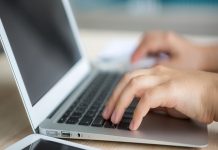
128 115
124 123
123 126
134 102
130 109
101 111
67 113
126 120
83 105
86 121
90 114
92 92
81 109
71 108
93 109
72 120
109 124
77 114
98 103
98 122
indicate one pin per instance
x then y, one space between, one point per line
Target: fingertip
108 109
116 116
105 113
113 117
136 121
134 58
104 116
133 126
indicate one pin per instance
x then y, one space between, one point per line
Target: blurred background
198 17
184 16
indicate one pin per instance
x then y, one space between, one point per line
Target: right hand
192 93
182 53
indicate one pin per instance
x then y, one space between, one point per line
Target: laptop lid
41 41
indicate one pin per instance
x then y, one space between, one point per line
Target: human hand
192 93
183 54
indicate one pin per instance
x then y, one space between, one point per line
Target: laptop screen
42 42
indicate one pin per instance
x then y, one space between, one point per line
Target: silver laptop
62 94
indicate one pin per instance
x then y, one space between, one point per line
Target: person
184 86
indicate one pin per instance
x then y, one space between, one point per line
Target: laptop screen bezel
61 89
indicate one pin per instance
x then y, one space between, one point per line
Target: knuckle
148 95
134 82
169 36
158 68
127 77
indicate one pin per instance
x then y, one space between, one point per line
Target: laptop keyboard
87 109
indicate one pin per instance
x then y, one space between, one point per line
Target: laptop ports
65 134
78 135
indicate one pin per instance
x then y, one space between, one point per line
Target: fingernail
113 117
131 126
105 112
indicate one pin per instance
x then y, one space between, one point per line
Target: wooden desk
13 120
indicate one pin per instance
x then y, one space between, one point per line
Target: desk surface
14 124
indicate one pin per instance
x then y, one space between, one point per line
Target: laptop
62 93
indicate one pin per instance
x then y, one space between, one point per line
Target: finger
141 110
124 81
134 88
156 97
140 51
152 44
161 97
